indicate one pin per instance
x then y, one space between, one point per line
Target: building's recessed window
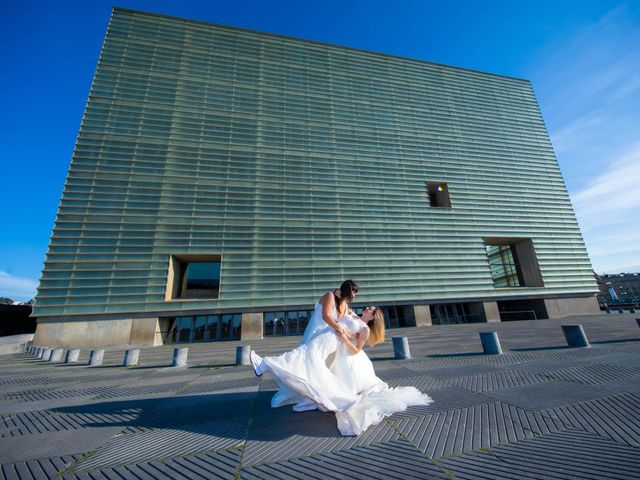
200 280
438 195
505 270
513 262
193 277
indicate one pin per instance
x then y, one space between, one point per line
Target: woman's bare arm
328 302
362 339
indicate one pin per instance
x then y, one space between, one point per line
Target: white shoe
305 405
256 363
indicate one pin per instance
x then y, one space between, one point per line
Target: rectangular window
504 269
199 280
513 262
193 277
209 328
438 195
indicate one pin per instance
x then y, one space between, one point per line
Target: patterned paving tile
549 394
463 371
395 459
167 443
447 398
595 373
199 422
424 383
306 434
52 444
544 366
617 417
37 469
472 428
219 385
497 380
567 455
215 465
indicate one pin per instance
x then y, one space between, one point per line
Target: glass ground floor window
204 328
221 327
453 313
286 323
396 316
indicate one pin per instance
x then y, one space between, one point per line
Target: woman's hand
343 336
341 330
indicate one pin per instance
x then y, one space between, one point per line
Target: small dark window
199 280
438 195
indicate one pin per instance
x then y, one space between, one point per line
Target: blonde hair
376 328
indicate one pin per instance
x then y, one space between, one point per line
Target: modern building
224 179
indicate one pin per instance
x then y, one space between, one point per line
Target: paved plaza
540 410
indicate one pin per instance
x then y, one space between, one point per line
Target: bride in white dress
349 387
324 319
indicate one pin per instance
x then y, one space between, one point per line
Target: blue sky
582 57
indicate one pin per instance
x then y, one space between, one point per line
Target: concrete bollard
46 356
620 310
608 310
575 336
242 354
96 357
72 356
39 352
490 343
180 357
401 349
131 357
56 355
632 310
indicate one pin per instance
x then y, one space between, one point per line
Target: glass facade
199 280
505 271
203 328
299 164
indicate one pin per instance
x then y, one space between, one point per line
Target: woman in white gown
324 319
349 386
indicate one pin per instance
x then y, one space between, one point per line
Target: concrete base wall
422 314
491 311
563 307
143 331
15 343
252 326
96 333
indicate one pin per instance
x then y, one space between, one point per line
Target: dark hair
347 289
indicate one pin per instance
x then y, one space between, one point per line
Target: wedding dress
285 394
303 372
375 399
349 387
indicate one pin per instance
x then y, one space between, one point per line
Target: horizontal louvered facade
300 164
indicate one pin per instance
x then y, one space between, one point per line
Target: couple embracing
330 370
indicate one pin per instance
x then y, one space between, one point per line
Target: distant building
224 179
626 288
